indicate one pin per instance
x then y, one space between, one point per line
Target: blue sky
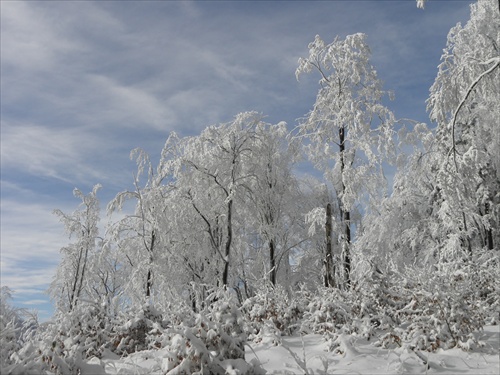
83 83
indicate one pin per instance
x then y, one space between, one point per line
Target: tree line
227 207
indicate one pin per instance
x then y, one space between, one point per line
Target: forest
225 241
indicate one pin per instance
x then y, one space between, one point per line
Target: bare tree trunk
467 239
85 261
329 277
489 231
82 277
225 274
149 279
75 282
272 260
347 249
345 215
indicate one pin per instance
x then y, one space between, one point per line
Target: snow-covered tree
213 177
438 231
271 191
142 237
75 278
348 128
464 102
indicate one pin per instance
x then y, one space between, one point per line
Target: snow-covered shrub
46 353
484 278
80 334
213 343
8 342
271 313
442 311
375 299
10 320
17 328
223 310
134 333
326 311
337 313
200 348
61 346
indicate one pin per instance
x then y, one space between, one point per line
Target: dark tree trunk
72 299
84 266
347 249
82 277
272 259
225 274
329 277
149 279
466 241
149 284
489 231
345 214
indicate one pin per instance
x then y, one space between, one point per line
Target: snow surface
307 355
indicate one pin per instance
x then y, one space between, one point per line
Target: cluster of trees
220 209
226 208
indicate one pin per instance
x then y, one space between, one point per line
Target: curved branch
496 61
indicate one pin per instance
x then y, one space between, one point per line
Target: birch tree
348 128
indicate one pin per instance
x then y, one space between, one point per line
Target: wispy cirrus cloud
45 151
42 242
30 241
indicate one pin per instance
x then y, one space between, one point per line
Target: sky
85 82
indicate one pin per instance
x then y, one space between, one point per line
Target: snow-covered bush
8 342
443 309
17 327
336 313
211 341
327 311
201 347
62 345
271 313
375 299
484 278
137 329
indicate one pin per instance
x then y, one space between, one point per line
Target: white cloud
26 283
29 233
34 302
48 151
29 39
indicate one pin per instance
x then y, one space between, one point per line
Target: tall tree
464 103
141 235
213 176
73 280
272 189
444 209
348 128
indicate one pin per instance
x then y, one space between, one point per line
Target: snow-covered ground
307 355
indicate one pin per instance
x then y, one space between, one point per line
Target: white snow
307 355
